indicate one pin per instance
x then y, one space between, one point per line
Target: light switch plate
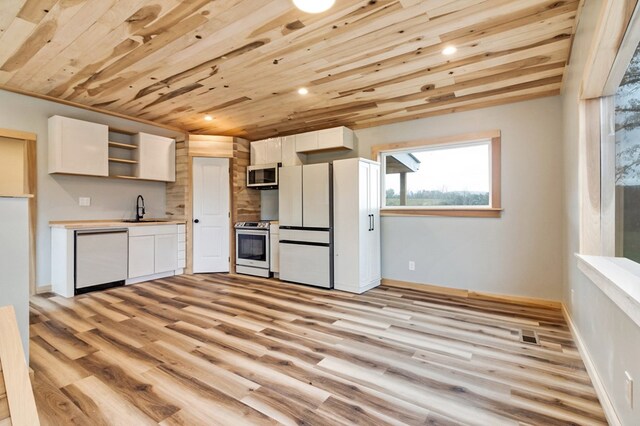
84 201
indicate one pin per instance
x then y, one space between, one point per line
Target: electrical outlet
84 201
629 388
573 297
412 265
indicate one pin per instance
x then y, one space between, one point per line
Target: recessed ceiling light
449 50
208 118
303 91
313 6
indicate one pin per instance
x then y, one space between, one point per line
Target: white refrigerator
306 224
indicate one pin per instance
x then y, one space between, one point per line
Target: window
453 176
627 162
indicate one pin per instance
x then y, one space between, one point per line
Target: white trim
149 277
598 385
43 289
618 278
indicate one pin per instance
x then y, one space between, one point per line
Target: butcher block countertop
115 223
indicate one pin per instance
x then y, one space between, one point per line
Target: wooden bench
17 404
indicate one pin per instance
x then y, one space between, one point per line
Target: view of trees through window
454 175
628 162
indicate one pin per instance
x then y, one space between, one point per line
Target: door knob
196 220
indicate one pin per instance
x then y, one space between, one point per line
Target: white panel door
166 253
290 196
211 225
315 196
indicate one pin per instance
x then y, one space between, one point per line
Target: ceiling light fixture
208 118
303 91
449 50
313 6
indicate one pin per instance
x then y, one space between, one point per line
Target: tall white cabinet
356 221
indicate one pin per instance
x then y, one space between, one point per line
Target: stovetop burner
263 224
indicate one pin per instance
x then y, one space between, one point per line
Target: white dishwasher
101 257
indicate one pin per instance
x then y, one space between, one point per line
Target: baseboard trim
470 294
43 289
603 396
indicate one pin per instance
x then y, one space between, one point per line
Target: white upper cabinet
156 157
267 151
273 154
78 147
307 142
290 157
327 139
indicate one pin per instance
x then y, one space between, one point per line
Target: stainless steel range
252 248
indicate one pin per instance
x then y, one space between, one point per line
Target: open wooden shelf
122 160
124 177
122 145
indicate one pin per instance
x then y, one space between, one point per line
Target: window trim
492 211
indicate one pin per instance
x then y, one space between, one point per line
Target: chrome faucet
140 208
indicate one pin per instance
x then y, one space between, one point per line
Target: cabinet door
307 142
258 153
330 138
274 244
316 212
141 256
373 262
273 151
289 155
78 147
166 253
156 156
290 196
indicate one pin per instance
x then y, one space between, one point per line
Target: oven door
263 176
252 248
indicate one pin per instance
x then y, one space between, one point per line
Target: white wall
14 262
57 194
518 254
611 337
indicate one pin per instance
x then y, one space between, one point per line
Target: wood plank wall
178 191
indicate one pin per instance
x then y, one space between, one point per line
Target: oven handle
251 232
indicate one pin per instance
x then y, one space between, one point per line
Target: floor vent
529 336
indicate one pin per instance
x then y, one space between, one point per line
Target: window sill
452 212
618 278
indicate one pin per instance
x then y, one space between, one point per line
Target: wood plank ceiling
365 62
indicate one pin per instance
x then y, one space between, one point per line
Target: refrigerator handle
373 222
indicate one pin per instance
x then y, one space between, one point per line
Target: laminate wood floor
225 350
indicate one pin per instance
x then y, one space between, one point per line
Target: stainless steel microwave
264 176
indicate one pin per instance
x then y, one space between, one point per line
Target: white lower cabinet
274 245
153 250
166 253
141 256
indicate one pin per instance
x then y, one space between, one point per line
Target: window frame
494 210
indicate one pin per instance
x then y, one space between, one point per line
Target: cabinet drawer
137 231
